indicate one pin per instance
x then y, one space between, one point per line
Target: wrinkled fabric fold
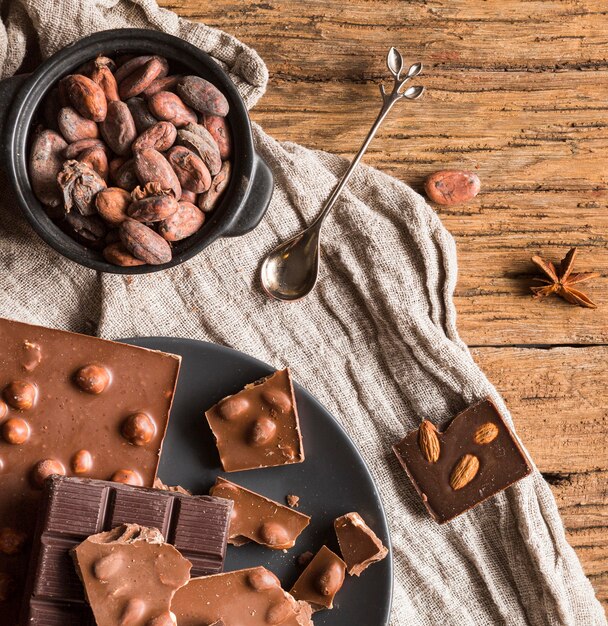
376 342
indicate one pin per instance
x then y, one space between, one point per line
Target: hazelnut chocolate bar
130 575
359 544
258 426
259 519
73 509
319 583
78 406
249 597
474 458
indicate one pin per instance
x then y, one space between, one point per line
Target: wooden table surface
518 92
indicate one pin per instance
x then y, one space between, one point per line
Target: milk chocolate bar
250 597
473 459
319 583
258 426
259 519
77 406
359 544
130 575
73 509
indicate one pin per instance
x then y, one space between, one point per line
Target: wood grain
518 92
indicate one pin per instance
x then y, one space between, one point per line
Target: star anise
561 280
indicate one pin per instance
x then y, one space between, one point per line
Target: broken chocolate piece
359 544
319 583
130 575
259 519
249 597
258 426
479 457
66 397
159 484
72 509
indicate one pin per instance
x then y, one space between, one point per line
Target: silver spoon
291 270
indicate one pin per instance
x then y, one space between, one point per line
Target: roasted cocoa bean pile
130 158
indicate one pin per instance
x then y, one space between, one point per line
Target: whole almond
168 106
74 126
201 95
86 97
464 472
429 441
486 433
143 243
118 129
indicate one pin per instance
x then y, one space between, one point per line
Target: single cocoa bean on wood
97 159
167 83
198 139
45 163
192 173
187 220
218 128
167 106
151 166
449 187
153 208
118 129
117 254
143 243
161 137
141 114
203 96
210 199
112 205
74 149
79 184
86 97
135 82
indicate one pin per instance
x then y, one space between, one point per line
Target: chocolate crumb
292 501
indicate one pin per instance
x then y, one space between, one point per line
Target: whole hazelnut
139 429
127 477
82 462
11 541
273 534
7 586
262 432
233 407
93 378
277 399
16 431
20 395
45 468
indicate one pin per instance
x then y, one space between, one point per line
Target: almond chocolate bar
474 458
73 509
77 406
258 426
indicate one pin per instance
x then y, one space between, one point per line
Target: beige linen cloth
376 342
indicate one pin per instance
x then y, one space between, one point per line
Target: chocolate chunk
359 544
72 509
130 574
476 457
256 518
321 580
250 597
259 426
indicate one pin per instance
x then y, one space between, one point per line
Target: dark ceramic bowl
244 202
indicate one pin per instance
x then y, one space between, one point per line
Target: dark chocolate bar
73 509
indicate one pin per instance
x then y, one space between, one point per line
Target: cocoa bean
74 126
188 196
149 189
129 65
117 254
167 83
126 177
192 173
88 228
118 129
198 139
201 95
449 187
86 97
74 149
161 137
151 166
97 159
79 184
141 114
143 243
220 131
167 106
210 199
102 75
45 163
141 78
101 61
153 208
112 204
183 223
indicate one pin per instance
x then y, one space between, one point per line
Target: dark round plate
332 481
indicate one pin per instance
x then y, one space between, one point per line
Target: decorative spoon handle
394 61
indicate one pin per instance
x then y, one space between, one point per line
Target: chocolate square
473 459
